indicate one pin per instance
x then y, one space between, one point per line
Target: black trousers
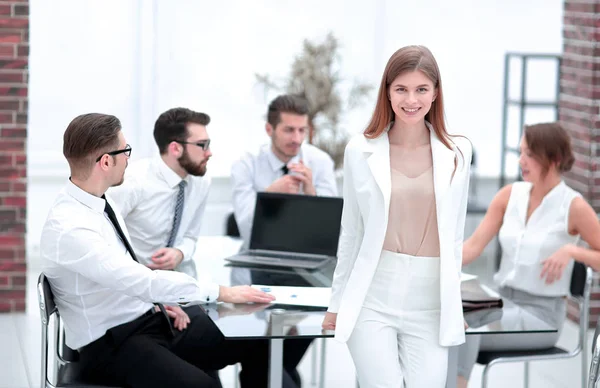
142 353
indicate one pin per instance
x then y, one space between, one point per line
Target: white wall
137 58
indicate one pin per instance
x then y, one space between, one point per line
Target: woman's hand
554 266
329 321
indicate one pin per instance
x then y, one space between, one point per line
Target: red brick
21 10
17 78
12 294
5 307
5 281
10 104
11 267
22 118
23 106
13 64
7 50
6 159
7 253
11 241
13 23
20 91
13 172
579 7
19 280
20 160
11 36
7 215
14 132
5 9
13 144
5 187
14 201
7 118
23 50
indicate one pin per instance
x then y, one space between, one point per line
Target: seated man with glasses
163 199
111 305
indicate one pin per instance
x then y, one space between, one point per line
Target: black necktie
113 218
285 169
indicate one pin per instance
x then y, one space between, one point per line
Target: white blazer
367 191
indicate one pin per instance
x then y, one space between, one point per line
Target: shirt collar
274 161
97 204
169 175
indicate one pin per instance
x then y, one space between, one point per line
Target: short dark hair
87 137
172 126
550 143
287 103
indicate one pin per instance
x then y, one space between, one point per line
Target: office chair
595 364
581 282
67 370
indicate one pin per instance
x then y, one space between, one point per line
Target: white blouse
526 244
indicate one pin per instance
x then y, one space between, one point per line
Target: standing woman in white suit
396 288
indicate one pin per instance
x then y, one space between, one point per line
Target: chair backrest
45 299
578 280
231 228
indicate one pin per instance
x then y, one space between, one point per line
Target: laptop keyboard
288 261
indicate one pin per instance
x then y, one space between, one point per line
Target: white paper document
467 276
298 296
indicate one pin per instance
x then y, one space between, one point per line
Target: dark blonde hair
410 58
550 143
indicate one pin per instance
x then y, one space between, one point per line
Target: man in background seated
285 165
112 306
163 199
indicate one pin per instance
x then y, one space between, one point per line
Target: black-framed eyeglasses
204 144
126 151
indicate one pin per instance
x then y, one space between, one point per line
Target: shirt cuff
212 293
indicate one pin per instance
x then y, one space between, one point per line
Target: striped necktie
178 213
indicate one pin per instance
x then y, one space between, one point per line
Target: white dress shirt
255 172
147 199
96 283
526 244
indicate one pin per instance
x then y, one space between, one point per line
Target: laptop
289 230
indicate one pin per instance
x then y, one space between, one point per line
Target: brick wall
14 54
579 106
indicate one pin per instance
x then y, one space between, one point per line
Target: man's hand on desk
243 294
166 258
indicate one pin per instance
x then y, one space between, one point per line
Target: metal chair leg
526 375
236 374
484 376
313 377
322 370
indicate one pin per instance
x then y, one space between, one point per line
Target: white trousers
395 342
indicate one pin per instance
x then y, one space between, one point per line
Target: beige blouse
412 226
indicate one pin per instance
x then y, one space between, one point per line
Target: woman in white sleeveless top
396 288
539 223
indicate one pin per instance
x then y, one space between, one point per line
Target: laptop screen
296 223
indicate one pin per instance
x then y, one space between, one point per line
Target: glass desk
278 322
